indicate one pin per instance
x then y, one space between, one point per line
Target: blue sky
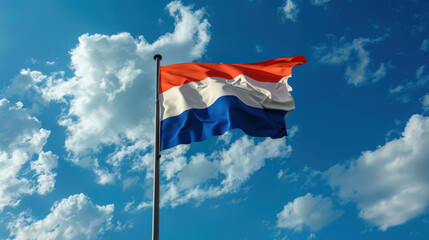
76 106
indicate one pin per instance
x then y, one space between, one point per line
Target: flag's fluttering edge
200 100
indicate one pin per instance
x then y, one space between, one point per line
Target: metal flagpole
155 216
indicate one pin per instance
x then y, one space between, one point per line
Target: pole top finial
157 56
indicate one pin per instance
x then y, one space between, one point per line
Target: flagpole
155 216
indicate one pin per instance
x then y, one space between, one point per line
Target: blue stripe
228 112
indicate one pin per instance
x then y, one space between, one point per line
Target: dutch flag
200 100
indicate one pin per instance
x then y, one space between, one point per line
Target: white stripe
202 94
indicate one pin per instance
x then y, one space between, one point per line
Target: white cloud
199 170
245 157
25 87
355 56
258 48
21 141
380 73
50 63
285 175
319 2
226 138
425 45
43 166
290 10
425 102
419 71
128 182
280 174
222 172
104 176
396 89
109 99
293 131
311 236
24 81
174 160
307 211
390 184
420 81
75 217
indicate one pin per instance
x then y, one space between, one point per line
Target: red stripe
267 71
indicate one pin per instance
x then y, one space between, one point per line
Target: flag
200 100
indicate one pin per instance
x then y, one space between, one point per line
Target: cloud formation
390 185
309 212
110 95
108 101
425 45
222 172
319 2
421 80
290 10
286 175
25 167
356 58
75 217
425 102
258 48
